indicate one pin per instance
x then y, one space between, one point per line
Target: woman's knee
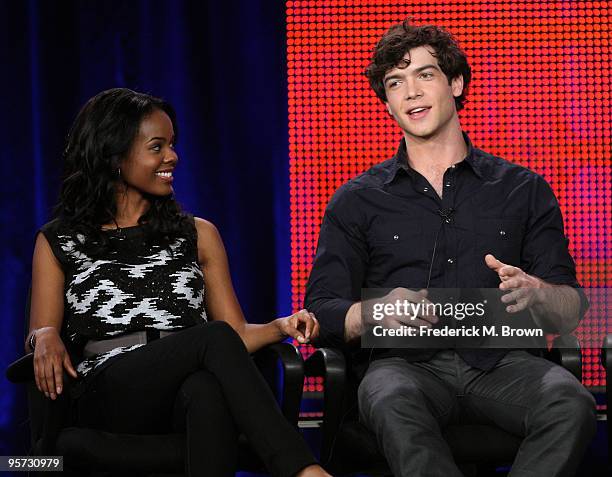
215 333
221 331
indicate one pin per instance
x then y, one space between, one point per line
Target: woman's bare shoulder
205 228
210 244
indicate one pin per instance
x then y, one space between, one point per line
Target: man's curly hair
403 37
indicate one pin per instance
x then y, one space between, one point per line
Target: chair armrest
606 362
606 354
331 365
21 370
47 416
54 417
566 352
291 383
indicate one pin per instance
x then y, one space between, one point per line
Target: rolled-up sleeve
545 251
338 269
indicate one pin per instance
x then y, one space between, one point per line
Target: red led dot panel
540 97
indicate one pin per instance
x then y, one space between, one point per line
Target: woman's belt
95 347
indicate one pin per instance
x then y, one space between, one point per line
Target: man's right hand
412 310
50 359
353 322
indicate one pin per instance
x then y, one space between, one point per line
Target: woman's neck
131 205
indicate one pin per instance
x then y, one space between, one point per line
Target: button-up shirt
389 228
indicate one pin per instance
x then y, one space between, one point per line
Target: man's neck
436 153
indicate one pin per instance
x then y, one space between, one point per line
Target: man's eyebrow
416 71
425 67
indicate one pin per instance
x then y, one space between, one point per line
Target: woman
120 274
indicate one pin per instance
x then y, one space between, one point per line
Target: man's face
419 96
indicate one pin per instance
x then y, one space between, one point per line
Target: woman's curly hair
99 140
403 37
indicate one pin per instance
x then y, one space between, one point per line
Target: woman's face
150 164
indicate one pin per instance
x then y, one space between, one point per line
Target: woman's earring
118 172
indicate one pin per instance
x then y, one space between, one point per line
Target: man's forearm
352 323
558 309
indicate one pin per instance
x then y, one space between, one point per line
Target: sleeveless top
133 287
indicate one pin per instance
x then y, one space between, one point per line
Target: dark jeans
200 381
408 404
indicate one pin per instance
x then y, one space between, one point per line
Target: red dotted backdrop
540 96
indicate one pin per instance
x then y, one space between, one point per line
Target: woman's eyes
158 147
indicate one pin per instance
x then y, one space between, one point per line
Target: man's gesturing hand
524 289
404 313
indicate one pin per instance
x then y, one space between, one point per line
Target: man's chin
419 135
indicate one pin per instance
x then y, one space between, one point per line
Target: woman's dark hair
100 138
403 37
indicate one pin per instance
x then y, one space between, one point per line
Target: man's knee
570 401
582 406
379 397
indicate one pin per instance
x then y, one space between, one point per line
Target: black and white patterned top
134 287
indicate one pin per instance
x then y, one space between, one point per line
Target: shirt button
396 237
451 261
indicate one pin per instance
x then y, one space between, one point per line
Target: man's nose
412 90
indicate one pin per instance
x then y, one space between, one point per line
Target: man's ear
457 86
388 108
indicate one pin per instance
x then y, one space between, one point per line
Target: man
444 214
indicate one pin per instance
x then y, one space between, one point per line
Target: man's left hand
524 289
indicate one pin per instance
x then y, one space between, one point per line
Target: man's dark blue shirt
380 230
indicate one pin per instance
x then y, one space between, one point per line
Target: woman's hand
50 359
303 326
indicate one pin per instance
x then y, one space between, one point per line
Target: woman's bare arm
46 316
222 304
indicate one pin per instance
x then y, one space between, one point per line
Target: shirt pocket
394 232
501 237
395 245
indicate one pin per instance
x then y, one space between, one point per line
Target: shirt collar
400 160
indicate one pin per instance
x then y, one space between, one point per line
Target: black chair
347 447
94 452
606 362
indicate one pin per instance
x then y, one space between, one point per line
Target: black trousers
203 382
408 404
